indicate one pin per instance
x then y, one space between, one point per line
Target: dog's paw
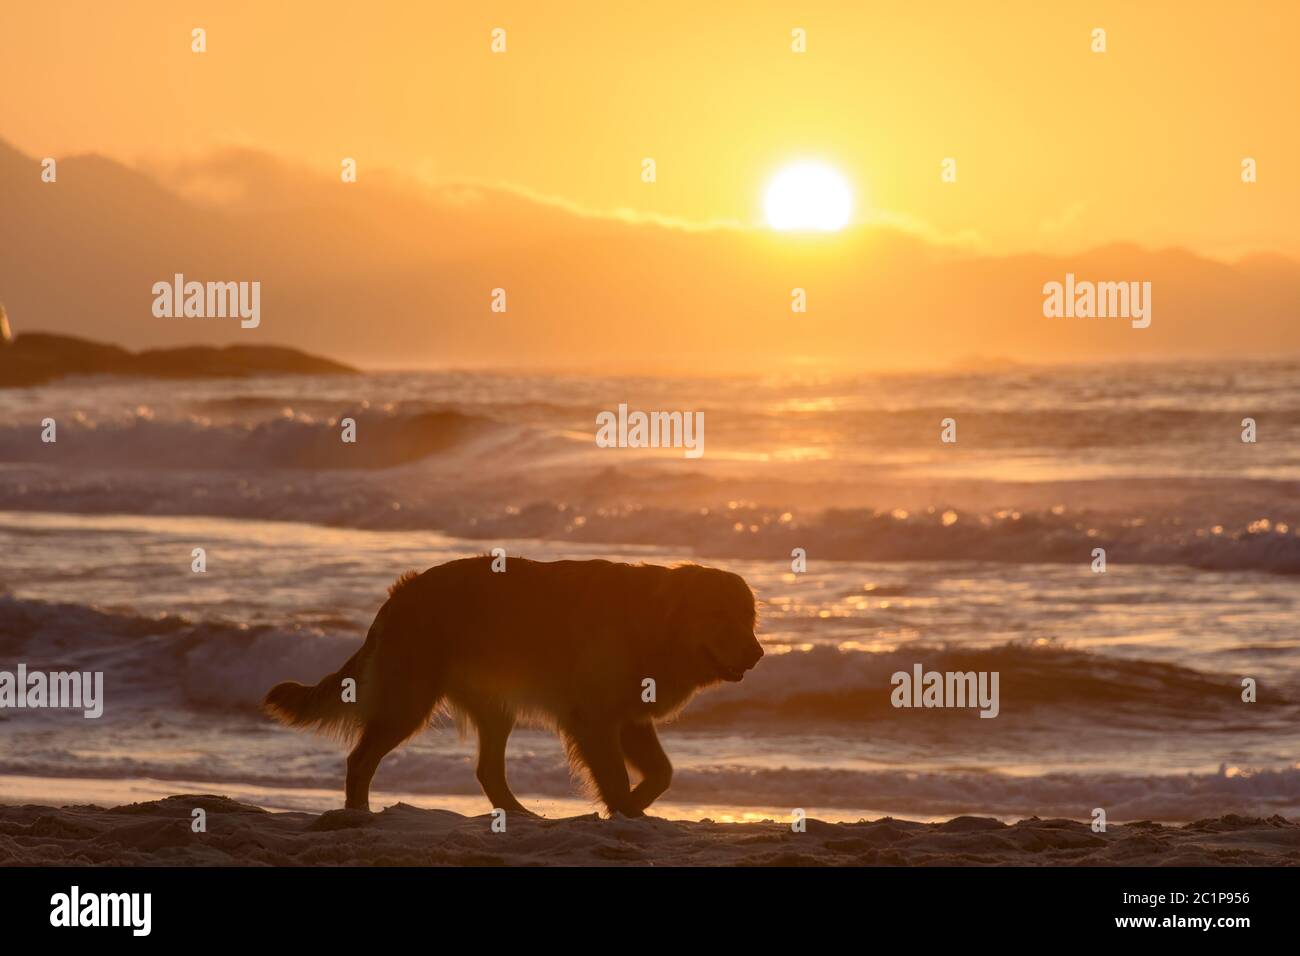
625 813
345 819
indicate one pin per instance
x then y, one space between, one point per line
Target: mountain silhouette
390 272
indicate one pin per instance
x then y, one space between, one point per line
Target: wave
461 490
270 430
934 534
1033 427
166 659
1040 686
539 772
214 664
1066 795
295 440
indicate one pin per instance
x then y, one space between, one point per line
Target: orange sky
1058 148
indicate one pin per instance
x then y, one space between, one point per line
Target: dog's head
711 615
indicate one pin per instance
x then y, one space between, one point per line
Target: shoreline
63 792
163 833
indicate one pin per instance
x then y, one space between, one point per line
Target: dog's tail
326 708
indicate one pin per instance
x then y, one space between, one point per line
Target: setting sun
807 196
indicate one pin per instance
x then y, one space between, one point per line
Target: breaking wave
221 665
291 440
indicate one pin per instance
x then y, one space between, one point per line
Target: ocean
1120 690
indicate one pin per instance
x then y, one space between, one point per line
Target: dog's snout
755 656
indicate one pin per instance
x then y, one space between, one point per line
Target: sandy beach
159 833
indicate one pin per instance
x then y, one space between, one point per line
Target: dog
569 644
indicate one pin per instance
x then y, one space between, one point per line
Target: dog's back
533 636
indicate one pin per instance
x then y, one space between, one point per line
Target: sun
807 196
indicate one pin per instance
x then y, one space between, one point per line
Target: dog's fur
567 643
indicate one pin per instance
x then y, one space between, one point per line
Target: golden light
807 196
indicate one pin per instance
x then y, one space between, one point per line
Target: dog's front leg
646 754
598 747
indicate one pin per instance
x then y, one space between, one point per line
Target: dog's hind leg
494 726
646 754
376 741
